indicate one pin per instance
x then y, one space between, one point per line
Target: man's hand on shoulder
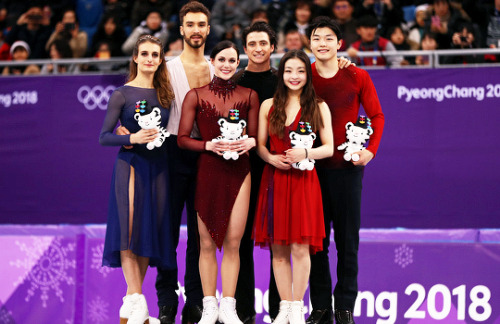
344 62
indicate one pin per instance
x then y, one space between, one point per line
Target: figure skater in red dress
289 214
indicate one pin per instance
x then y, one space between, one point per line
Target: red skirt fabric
289 208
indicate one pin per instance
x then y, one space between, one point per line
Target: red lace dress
289 208
218 180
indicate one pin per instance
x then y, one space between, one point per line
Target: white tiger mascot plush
231 129
357 135
304 138
150 118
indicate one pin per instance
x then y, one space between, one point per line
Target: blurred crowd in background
109 28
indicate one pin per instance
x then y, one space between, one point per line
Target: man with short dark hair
341 181
259 41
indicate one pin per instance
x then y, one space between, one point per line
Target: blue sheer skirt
151 234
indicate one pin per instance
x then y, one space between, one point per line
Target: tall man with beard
187 71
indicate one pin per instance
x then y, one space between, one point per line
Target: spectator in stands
103 52
321 8
111 32
119 9
259 15
293 40
33 28
56 8
342 11
229 17
371 41
4 47
13 10
443 19
58 49
142 8
398 38
20 51
464 38
278 13
488 20
428 43
175 47
417 28
387 12
68 29
301 18
153 25
3 16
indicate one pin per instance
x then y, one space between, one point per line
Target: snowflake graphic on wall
47 263
403 256
96 263
6 316
98 310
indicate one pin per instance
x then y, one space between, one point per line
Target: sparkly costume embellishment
222 88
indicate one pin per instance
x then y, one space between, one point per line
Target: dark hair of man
349 1
291 31
303 3
161 81
62 47
367 21
429 34
308 99
222 46
259 26
324 22
155 11
441 1
193 6
258 12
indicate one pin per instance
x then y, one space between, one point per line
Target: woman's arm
107 138
277 160
243 146
188 116
326 134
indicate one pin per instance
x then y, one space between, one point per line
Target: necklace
222 88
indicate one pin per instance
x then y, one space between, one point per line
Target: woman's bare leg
230 266
134 267
208 261
282 270
301 269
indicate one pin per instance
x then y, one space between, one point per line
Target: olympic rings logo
94 97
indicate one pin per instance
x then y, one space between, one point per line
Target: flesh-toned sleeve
186 124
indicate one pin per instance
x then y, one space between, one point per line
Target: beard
193 44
